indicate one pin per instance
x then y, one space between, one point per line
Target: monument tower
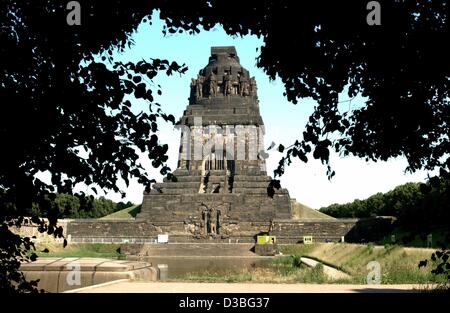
221 180
220 192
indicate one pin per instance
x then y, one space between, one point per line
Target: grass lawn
282 271
399 265
300 210
127 213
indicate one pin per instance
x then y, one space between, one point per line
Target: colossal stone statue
228 84
212 85
199 87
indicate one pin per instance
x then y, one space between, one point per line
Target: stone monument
221 180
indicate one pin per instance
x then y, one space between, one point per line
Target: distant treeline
70 206
415 205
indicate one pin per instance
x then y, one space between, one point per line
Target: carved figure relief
212 85
199 86
244 87
211 219
228 85
253 88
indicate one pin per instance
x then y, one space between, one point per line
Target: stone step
183 172
179 191
190 178
216 179
250 191
257 178
197 249
250 184
178 185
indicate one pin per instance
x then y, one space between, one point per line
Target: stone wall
31 230
140 231
292 231
110 228
287 231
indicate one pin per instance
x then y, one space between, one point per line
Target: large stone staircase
243 196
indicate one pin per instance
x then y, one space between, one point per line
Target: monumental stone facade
221 179
220 191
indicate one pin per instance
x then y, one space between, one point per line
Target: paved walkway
178 287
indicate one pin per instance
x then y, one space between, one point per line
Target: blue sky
284 121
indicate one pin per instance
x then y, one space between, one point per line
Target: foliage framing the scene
66 112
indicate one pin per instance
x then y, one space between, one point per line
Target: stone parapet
286 230
62 274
